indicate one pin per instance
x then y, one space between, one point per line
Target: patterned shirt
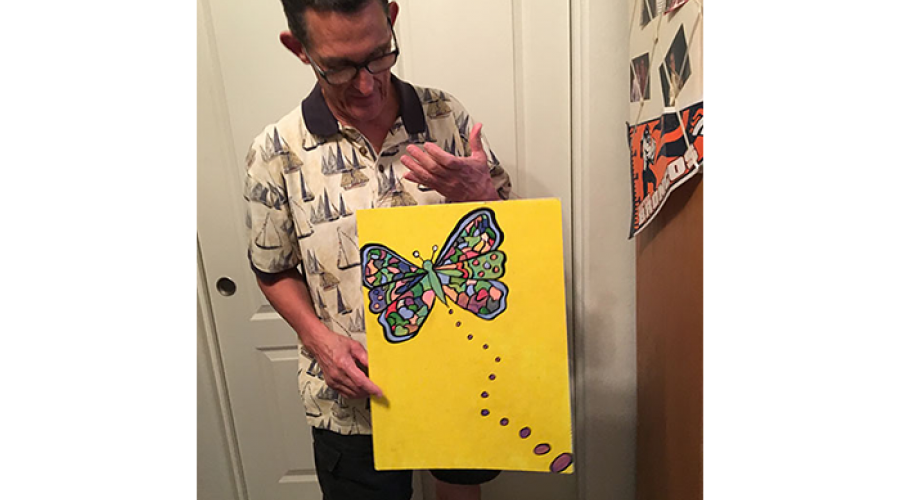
307 175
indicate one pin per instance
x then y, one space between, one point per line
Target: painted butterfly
466 271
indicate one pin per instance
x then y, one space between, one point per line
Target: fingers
346 391
422 178
359 380
433 158
354 384
359 352
419 174
441 157
449 175
362 380
431 166
414 167
412 177
343 365
475 140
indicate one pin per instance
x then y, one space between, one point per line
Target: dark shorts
346 470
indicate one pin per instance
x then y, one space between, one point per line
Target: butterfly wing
381 265
476 234
470 265
403 307
398 293
485 298
488 266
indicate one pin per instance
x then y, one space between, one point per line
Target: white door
507 62
259 352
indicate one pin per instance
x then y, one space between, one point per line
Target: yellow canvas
466 333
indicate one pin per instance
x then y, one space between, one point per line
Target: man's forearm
289 295
341 358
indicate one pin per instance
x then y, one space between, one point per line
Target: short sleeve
273 243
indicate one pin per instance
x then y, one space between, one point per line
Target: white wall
604 257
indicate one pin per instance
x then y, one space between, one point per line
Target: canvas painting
466 333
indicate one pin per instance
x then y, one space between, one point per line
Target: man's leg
461 484
346 470
449 491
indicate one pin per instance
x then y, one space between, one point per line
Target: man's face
338 39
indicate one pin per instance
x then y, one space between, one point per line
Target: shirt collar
320 121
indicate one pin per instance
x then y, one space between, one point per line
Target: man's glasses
377 64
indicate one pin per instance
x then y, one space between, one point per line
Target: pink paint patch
495 293
561 462
428 296
482 294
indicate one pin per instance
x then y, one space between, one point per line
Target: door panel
259 351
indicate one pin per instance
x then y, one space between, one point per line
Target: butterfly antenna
433 252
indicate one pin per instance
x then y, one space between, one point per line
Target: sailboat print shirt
307 175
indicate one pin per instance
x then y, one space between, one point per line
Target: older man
361 139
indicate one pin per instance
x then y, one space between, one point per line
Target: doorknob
226 287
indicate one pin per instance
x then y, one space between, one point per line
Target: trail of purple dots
562 461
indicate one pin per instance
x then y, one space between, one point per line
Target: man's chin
365 113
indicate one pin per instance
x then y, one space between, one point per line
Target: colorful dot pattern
562 461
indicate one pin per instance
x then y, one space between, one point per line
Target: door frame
220 389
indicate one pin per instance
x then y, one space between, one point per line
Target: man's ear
393 9
291 43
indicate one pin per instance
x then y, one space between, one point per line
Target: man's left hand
457 178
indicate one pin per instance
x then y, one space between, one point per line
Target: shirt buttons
364 151
381 168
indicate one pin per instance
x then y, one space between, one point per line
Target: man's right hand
340 358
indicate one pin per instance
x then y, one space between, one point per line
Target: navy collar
320 121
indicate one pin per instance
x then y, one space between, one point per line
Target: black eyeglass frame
356 67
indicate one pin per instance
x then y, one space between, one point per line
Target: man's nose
364 82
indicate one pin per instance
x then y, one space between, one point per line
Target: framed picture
676 68
640 78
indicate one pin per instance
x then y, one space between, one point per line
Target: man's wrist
314 335
491 194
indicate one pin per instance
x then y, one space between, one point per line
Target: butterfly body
466 271
434 282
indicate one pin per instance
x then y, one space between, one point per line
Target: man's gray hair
295 12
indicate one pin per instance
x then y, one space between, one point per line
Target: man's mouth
363 99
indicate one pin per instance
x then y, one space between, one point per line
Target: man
674 78
361 139
648 153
